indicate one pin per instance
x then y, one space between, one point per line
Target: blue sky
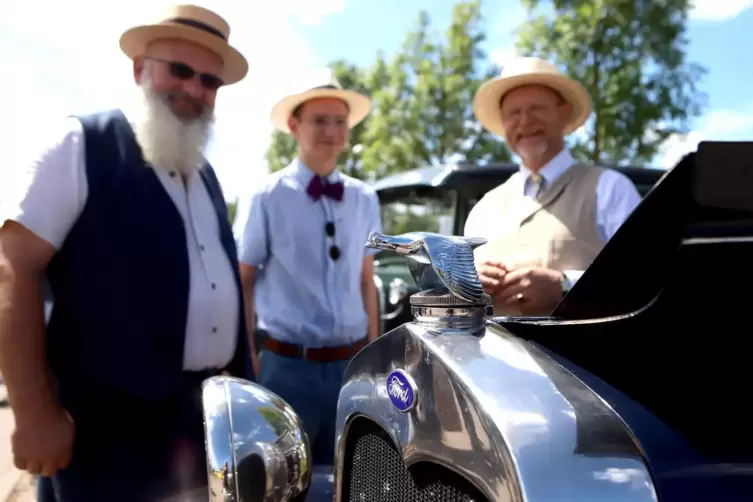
68 61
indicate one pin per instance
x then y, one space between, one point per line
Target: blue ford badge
402 390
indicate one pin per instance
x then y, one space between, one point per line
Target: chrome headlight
256 446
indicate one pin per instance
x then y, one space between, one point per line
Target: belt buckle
304 353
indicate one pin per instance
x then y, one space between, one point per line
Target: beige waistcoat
558 231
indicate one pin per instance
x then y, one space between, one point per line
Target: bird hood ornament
437 261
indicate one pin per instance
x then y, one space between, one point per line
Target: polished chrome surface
499 412
437 261
382 299
438 314
256 447
398 290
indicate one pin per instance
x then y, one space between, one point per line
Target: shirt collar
554 168
304 174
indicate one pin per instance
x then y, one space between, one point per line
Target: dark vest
120 281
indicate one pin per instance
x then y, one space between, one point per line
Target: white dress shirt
616 198
46 190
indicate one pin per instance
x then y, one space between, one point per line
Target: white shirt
46 191
616 198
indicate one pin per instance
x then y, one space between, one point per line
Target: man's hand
535 290
491 274
42 442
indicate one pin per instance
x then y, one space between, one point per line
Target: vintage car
439 199
634 389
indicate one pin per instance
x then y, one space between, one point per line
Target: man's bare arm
370 298
248 279
23 362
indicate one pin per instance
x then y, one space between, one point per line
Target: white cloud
504 55
68 61
716 10
718 125
312 13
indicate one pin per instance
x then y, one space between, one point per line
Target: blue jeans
312 390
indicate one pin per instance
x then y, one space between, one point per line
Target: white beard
532 149
167 141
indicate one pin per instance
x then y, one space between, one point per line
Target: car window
419 214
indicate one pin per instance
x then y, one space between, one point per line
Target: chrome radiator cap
451 296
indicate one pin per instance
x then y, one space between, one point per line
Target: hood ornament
437 262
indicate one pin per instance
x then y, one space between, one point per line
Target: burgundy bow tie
319 187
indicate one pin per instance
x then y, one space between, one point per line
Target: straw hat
192 23
321 84
528 71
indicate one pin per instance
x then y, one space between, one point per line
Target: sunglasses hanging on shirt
334 251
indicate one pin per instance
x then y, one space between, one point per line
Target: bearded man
123 215
547 222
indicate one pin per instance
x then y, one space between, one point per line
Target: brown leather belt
315 354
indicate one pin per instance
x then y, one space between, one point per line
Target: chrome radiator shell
496 410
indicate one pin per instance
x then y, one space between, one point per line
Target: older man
548 222
304 267
127 220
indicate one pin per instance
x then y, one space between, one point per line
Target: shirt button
173 174
214 286
201 247
214 330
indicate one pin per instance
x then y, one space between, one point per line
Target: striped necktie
537 182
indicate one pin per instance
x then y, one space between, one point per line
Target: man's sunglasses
334 251
184 72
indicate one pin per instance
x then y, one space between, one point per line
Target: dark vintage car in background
439 199
634 389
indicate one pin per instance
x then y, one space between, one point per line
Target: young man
122 213
305 271
548 222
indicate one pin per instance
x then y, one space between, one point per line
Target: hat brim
359 106
486 101
135 41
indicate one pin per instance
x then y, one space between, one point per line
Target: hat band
198 25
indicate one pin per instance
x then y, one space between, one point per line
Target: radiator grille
374 472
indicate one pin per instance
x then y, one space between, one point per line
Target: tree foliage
281 151
232 208
424 114
422 103
631 57
275 419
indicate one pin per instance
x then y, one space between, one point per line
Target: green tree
274 418
631 57
232 207
281 151
283 147
423 115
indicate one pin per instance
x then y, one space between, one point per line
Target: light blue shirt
301 294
